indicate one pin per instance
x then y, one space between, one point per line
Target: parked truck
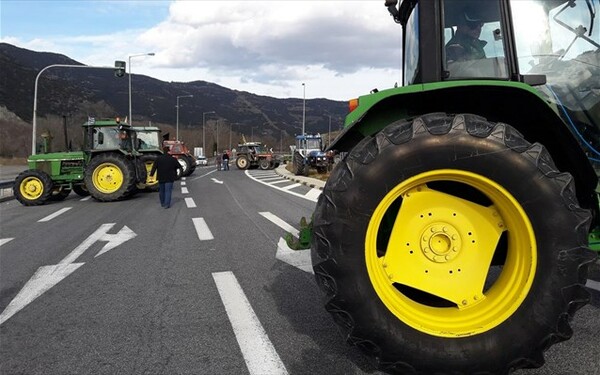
453 236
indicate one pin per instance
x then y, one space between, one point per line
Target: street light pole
130 119
303 106
177 121
203 133
218 136
329 133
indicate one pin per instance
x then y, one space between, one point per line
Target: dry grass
312 173
13 161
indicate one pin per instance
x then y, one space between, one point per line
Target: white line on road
278 188
5 240
184 190
204 234
291 186
280 223
190 203
86 198
313 194
183 183
258 351
59 212
278 181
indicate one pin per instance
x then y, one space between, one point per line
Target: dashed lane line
204 233
184 190
57 213
258 351
190 203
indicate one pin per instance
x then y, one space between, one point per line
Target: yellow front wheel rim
31 188
433 268
150 179
107 178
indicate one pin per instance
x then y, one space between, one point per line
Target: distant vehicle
201 160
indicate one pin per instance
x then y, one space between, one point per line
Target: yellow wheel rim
107 178
31 188
150 180
433 269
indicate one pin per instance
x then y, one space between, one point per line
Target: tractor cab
109 135
148 138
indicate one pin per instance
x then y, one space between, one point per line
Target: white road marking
5 240
57 213
592 284
183 183
278 188
280 223
313 194
268 179
297 258
206 174
184 190
278 181
190 203
183 178
258 351
291 186
48 276
216 181
86 198
204 233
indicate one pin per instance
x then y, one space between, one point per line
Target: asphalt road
201 288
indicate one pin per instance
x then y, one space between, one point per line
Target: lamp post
177 121
218 136
230 133
130 119
203 133
303 107
329 133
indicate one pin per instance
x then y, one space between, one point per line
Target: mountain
76 93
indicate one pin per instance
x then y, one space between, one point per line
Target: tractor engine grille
71 166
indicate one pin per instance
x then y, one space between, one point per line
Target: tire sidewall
516 172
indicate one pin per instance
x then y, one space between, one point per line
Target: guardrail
6 190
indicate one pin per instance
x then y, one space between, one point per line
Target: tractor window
474 40
411 51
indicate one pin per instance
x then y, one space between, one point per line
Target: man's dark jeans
164 193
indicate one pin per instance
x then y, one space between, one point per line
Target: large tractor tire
242 162
192 164
110 177
32 187
451 245
185 165
299 166
60 193
264 164
151 183
81 190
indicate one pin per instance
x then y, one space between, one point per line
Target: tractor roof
106 122
146 129
309 136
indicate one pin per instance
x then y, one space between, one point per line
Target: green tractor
453 237
108 167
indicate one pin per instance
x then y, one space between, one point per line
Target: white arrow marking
114 240
297 258
5 240
216 181
59 212
48 276
44 278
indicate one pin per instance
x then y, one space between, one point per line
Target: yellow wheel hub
150 180
435 272
31 188
107 178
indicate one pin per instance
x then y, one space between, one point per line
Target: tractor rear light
352 104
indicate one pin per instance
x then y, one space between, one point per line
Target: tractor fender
514 103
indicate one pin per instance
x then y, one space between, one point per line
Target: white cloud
340 49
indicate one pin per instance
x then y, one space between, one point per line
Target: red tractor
183 155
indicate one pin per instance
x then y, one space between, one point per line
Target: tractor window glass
474 40
561 41
411 52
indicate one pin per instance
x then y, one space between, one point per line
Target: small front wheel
32 187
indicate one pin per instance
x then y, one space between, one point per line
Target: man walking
225 160
166 166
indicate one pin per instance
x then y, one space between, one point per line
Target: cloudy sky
339 49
